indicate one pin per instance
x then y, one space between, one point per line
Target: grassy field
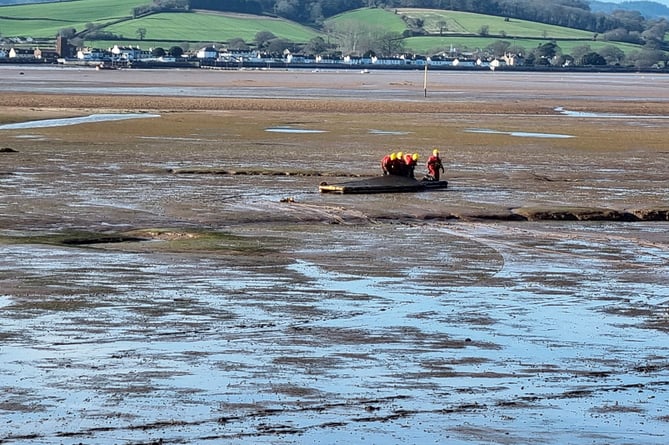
212 27
435 45
468 23
459 23
44 20
370 18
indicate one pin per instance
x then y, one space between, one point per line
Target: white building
128 53
19 53
208 52
93 54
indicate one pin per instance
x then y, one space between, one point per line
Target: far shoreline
235 66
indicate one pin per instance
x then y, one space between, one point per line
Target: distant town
211 57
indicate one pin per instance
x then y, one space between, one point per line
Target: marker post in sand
425 80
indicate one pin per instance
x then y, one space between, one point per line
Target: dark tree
593 59
237 43
68 33
263 38
547 50
176 52
317 46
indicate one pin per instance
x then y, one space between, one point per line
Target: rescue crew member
411 160
434 166
401 165
385 163
394 167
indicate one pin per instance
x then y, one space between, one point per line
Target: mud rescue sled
382 184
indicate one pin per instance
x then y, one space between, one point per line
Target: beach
171 274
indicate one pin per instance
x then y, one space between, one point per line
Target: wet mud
180 279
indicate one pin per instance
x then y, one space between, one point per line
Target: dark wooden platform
382 184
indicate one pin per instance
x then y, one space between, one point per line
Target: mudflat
171 274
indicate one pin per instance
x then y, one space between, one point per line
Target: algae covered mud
180 279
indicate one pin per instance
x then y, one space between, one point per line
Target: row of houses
211 56
27 54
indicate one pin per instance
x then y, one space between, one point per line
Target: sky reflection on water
92 118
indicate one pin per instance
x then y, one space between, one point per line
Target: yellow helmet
414 156
393 156
435 152
400 155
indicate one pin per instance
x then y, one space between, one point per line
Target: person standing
434 166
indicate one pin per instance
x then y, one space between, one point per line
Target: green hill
441 22
454 22
445 30
423 31
44 21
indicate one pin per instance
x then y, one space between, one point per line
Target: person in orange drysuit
411 160
434 166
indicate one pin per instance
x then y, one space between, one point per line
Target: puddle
521 134
604 115
182 139
75 121
293 130
394 133
38 137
